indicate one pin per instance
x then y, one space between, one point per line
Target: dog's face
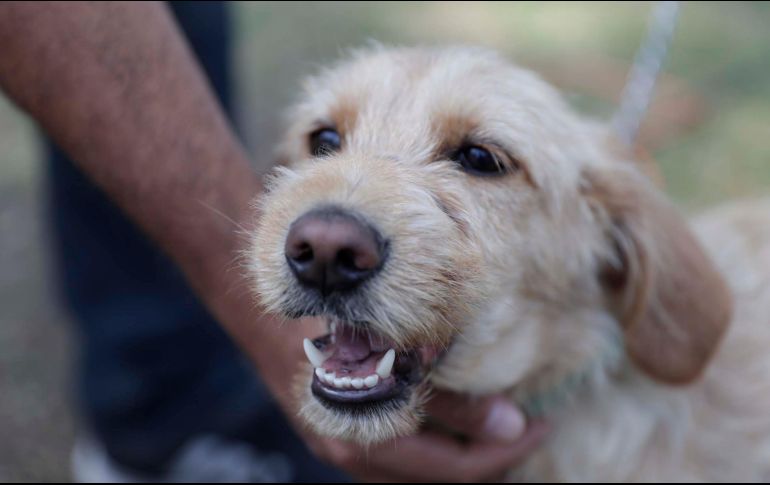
457 225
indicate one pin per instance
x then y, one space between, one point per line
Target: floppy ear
672 302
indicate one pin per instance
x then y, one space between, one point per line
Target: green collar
541 402
538 404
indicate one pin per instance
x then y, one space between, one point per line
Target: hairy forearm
116 87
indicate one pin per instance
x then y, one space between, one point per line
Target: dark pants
155 369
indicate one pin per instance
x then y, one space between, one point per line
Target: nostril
346 259
355 262
302 253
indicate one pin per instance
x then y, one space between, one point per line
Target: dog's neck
546 390
557 392
542 362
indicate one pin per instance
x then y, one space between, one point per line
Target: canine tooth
346 382
320 373
329 377
358 383
371 380
315 356
338 382
385 365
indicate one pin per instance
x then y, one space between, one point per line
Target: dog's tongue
353 352
349 345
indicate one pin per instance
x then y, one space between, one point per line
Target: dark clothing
155 369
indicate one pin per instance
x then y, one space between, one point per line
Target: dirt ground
36 422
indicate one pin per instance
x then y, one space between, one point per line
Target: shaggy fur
568 283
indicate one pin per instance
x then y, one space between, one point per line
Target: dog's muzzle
332 252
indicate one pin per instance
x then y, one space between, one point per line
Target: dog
460 227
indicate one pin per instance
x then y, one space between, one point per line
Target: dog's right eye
324 142
478 161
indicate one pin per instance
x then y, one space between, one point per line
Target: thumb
487 418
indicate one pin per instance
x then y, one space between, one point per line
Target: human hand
495 437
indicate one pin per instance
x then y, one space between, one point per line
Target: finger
432 456
489 418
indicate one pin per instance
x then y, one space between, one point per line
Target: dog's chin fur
365 425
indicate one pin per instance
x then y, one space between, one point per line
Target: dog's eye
478 161
324 141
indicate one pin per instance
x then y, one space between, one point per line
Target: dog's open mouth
354 366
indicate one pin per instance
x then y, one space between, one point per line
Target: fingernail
504 423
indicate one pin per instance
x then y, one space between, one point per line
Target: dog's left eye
324 141
478 161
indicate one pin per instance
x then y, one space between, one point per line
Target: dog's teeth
315 356
340 382
371 380
385 365
357 383
320 373
329 378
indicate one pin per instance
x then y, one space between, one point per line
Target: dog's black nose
331 250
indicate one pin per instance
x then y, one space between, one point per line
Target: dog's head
457 224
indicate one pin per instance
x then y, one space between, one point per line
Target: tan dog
461 228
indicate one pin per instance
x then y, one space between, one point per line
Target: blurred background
708 129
